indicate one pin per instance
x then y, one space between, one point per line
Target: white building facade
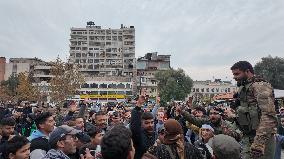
209 89
104 55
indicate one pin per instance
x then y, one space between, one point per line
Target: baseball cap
225 147
60 132
206 126
83 137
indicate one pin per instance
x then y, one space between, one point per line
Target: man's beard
242 82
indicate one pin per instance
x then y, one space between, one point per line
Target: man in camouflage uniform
255 115
215 120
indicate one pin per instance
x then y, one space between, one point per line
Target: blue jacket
39 144
36 134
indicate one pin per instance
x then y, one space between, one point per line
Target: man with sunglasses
62 141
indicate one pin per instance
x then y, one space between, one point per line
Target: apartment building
104 54
147 66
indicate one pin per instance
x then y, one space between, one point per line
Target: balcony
41 67
42 76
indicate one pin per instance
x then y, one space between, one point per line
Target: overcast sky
204 37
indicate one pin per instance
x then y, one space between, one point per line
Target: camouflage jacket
222 127
260 94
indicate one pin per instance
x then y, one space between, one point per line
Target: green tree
9 87
272 69
173 84
65 82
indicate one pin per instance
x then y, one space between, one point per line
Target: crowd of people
149 130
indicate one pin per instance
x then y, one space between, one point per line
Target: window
94 92
207 90
85 85
120 92
128 93
120 85
108 50
90 54
78 54
127 85
103 92
94 85
111 92
112 85
90 67
103 85
90 60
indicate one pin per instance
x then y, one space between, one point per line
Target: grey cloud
198 33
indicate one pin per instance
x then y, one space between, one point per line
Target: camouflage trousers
269 147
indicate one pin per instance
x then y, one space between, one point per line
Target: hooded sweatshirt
39 144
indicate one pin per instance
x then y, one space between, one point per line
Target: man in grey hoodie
39 138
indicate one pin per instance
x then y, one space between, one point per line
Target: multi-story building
208 88
104 53
42 76
2 68
18 65
147 66
39 69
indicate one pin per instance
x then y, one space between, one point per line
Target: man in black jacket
3 111
142 128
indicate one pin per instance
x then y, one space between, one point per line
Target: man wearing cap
115 119
225 147
215 120
281 111
206 134
62 141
